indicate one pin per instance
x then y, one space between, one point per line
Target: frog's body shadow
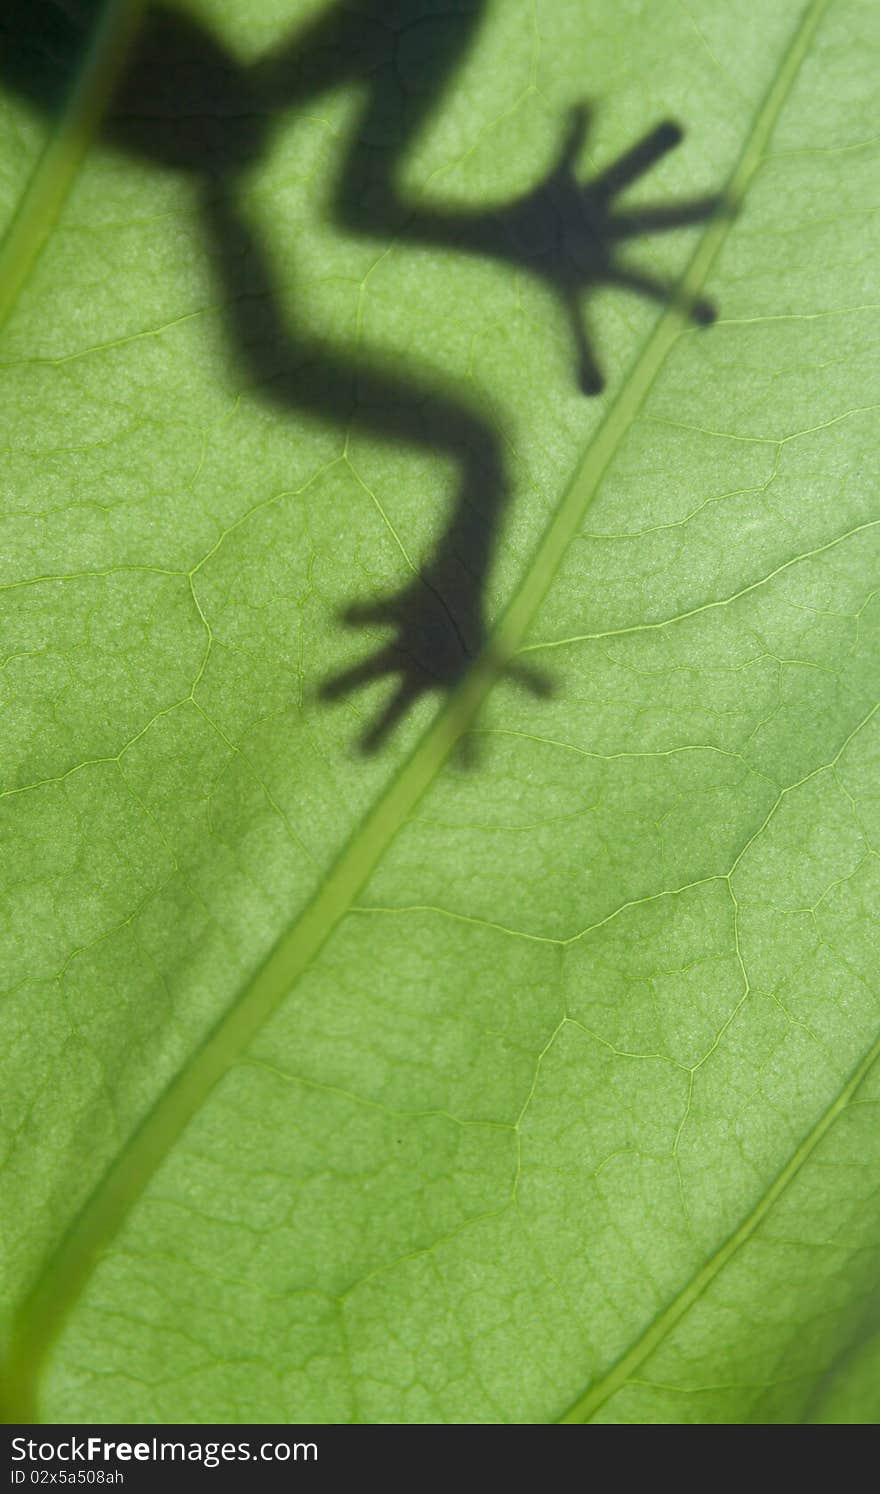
185 102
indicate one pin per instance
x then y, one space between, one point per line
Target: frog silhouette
185 102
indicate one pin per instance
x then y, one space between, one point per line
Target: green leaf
521 1068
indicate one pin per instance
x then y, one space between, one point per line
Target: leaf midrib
44 1313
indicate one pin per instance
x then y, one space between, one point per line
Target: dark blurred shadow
186 103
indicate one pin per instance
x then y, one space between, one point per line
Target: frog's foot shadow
568 233
426 651
429 654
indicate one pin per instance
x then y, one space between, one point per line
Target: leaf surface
522 1069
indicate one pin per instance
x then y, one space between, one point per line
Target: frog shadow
185 102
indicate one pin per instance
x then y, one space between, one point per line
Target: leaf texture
523 1069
